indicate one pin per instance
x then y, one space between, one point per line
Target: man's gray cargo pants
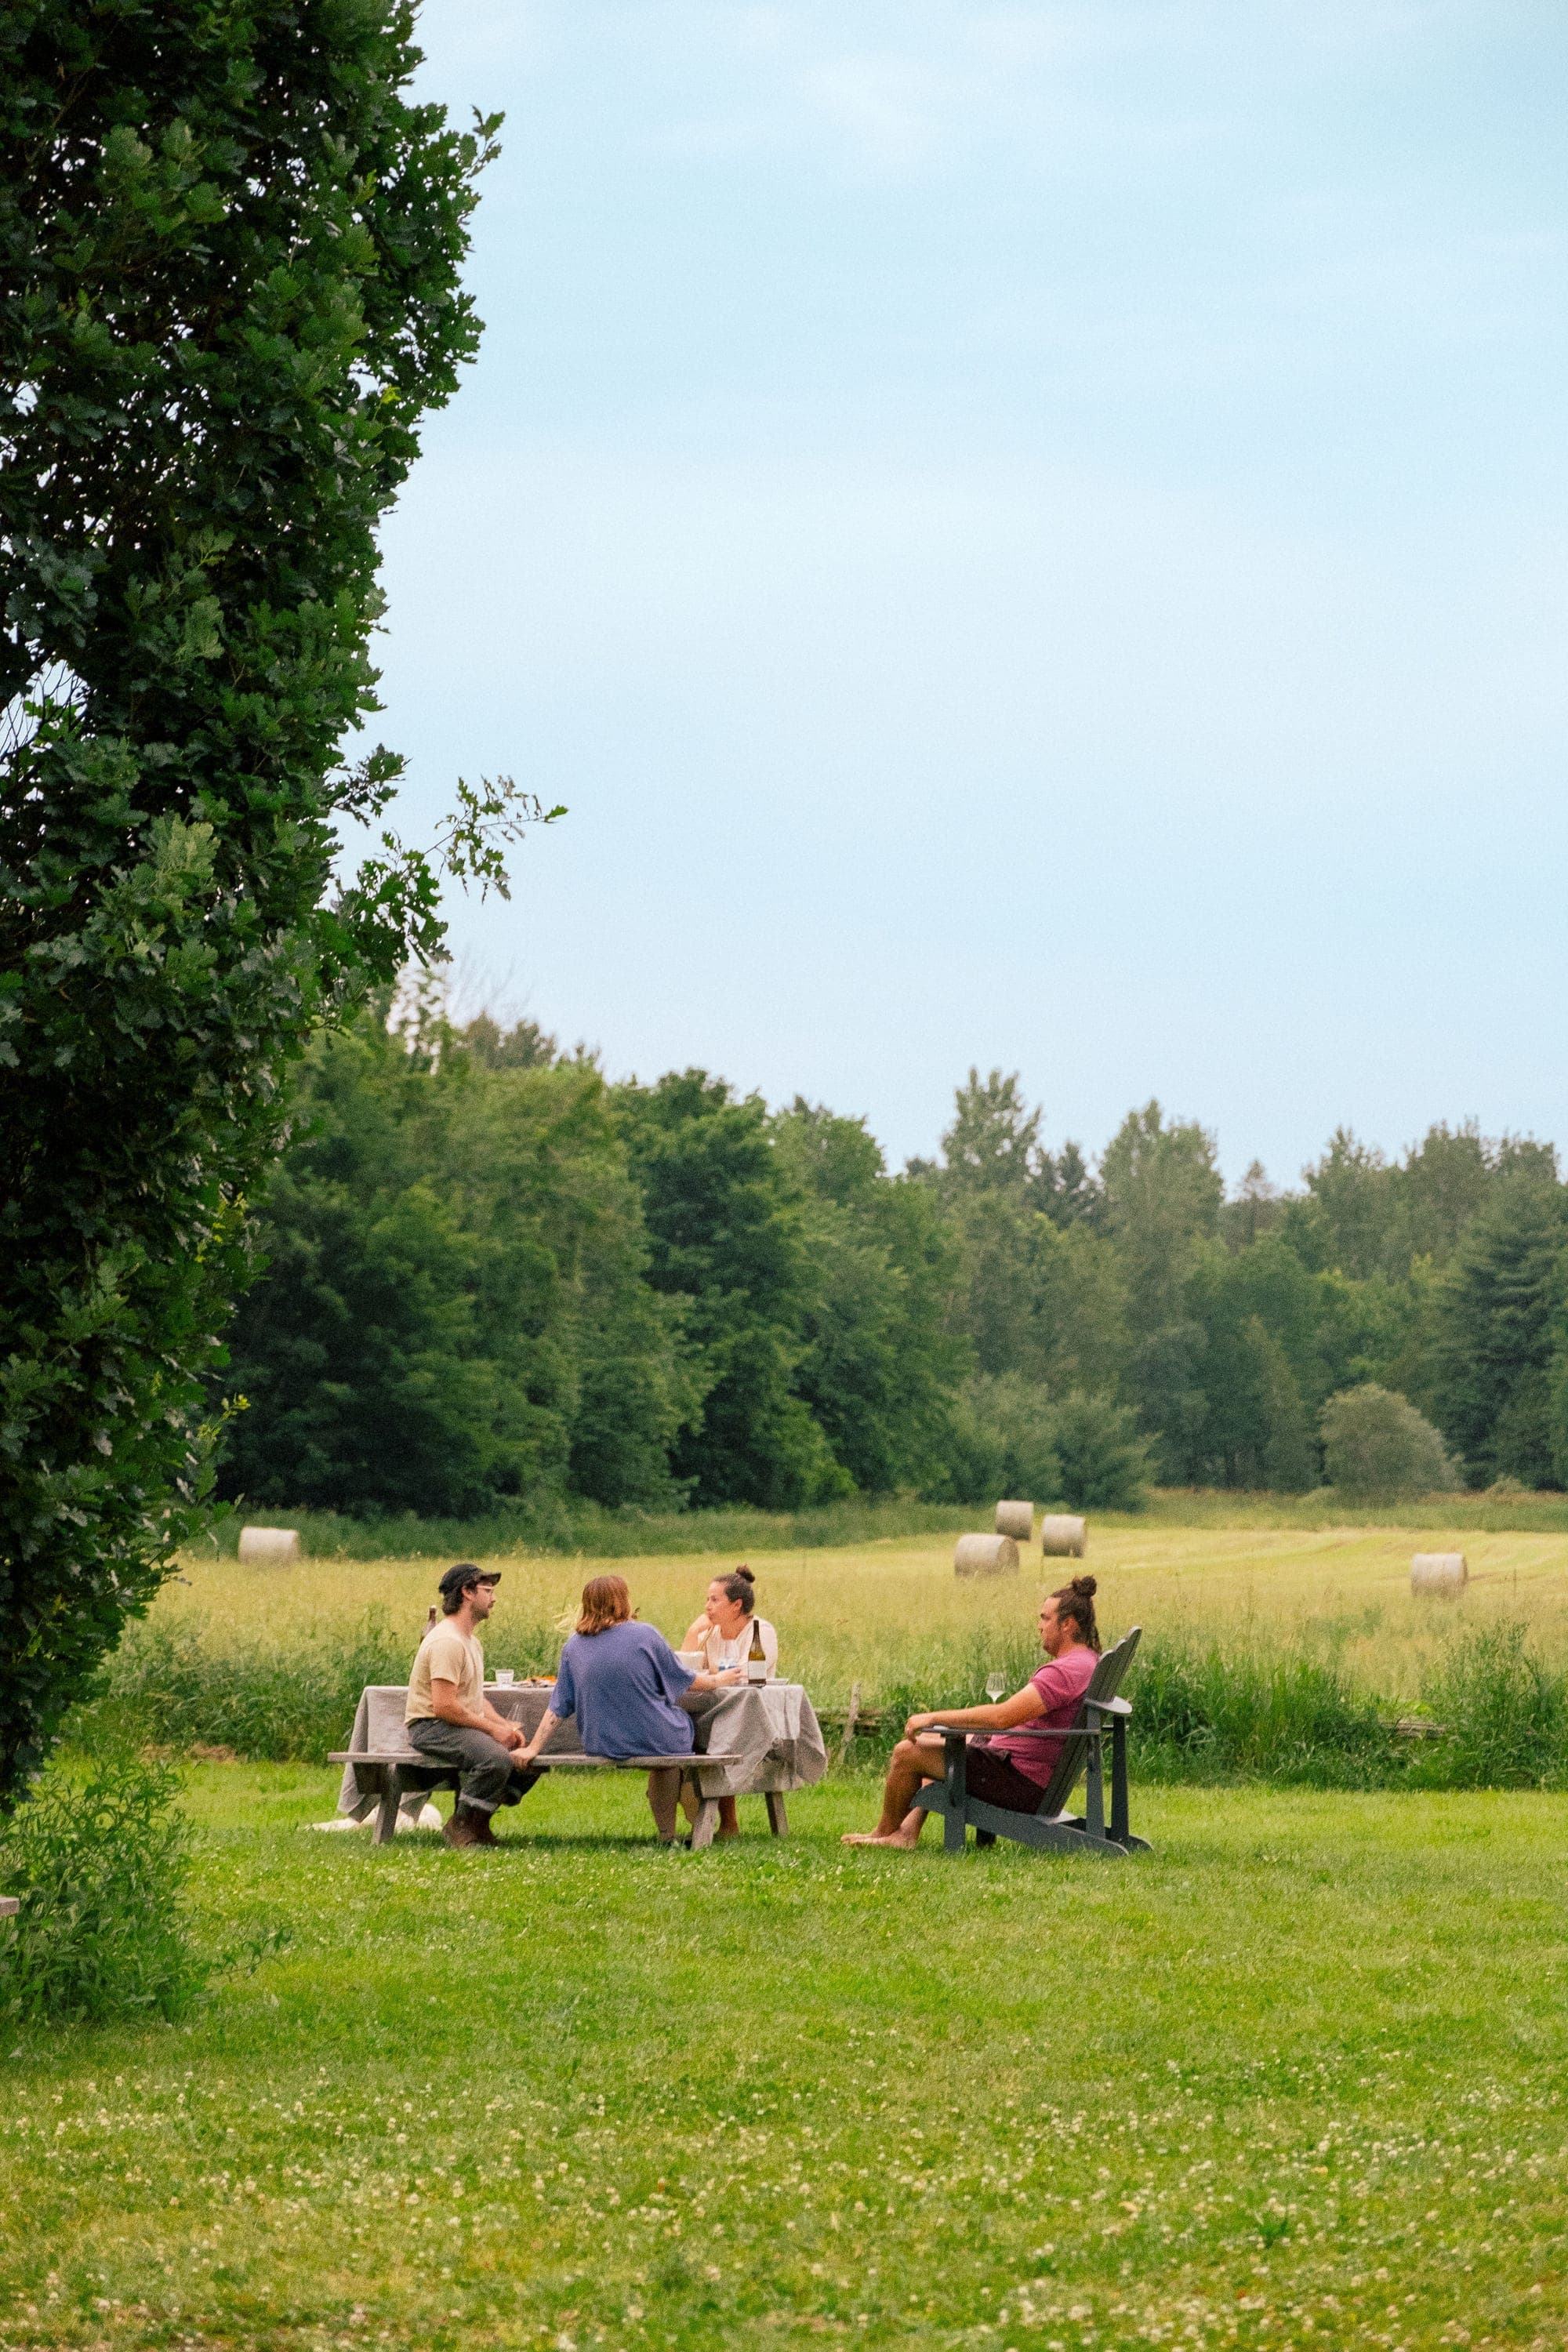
488 1775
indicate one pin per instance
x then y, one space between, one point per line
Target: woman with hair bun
722 1637
1011 1768
723 1632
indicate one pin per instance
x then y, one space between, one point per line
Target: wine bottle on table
756 1656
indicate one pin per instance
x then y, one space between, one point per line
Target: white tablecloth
770 1727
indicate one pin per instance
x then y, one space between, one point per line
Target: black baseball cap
459 1579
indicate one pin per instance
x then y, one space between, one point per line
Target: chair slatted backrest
1104 1682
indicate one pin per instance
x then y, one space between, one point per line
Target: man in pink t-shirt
1012 1766
1061 1683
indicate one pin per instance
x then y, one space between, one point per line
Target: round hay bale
986 1556
1016 1519
262 1546
1442 1572
1063 1537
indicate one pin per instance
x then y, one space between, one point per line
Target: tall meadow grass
1284 1655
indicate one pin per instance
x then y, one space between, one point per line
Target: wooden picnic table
758 1739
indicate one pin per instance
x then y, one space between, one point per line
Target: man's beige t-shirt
452 1656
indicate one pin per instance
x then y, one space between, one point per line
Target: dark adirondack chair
1051 1826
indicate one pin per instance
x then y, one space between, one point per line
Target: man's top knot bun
747 1574
1075 1606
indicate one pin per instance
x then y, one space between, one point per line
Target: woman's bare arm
546 1724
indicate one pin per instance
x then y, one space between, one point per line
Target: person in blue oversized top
623 1684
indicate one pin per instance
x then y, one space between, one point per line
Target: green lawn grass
1297 2078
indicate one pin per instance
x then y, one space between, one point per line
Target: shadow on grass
566 1842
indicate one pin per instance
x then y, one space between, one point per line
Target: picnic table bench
399 1772
757 1740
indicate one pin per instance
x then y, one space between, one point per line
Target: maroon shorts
997 1780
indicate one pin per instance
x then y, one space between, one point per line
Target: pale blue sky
1028 535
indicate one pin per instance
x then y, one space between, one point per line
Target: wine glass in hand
996 1684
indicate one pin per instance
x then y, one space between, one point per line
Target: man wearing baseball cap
451 1720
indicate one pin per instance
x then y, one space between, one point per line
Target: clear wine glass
996 1684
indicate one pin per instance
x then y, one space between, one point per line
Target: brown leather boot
462 1830
484 1831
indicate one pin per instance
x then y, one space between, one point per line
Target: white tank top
721 1650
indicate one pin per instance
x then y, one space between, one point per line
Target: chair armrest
1109 1706
1016 1731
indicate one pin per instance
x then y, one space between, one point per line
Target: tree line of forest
490 1273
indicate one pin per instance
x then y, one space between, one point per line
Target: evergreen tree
1034 1299
1257 1209
1500 1310
1065 1188
1162 1195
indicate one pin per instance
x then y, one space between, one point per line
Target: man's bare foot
875 1837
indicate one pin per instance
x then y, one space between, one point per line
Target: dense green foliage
99 1861
494 1276
458 1311
230 262
498 1282
1230 1324
1500 1339
1378 1449
730 1251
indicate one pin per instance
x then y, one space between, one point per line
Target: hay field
887 1612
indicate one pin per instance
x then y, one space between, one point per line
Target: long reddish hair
606 1602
